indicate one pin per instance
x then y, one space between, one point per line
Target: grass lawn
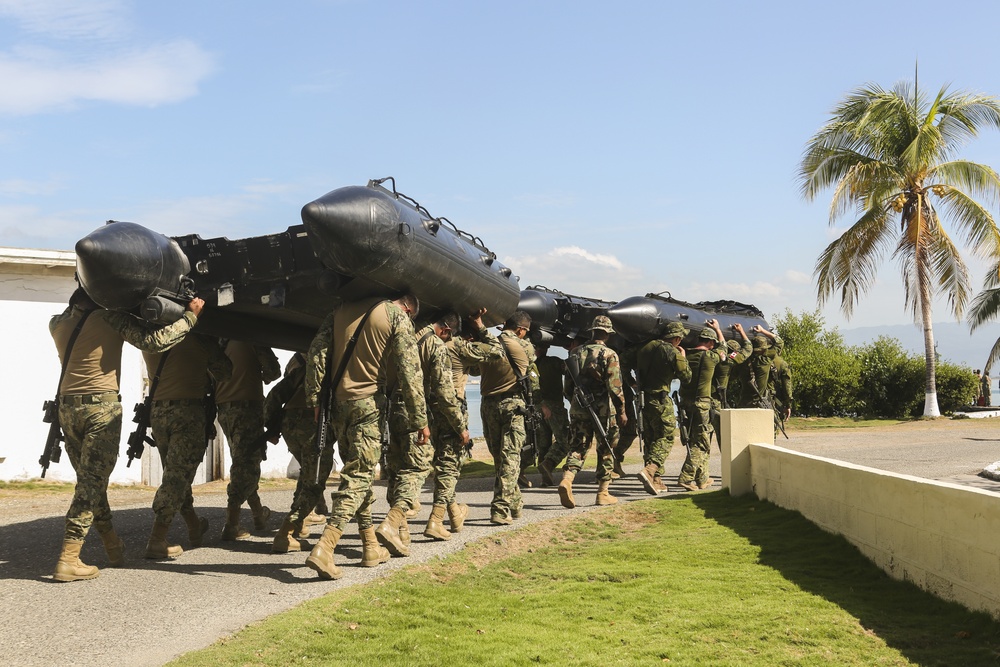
807 423
700 579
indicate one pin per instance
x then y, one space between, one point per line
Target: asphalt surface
152 611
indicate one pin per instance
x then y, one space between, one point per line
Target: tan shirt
185 374
247 380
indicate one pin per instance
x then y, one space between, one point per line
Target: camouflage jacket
439 389
658 364
488 355
725 369
600 376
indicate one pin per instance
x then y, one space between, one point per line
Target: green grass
37 486
685 580
808 423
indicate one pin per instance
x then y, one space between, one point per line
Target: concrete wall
940 536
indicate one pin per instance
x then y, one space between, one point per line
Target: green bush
956 387
892 380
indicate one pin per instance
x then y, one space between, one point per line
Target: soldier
781 386
658 363
502 361
285 410
754 375
600 383
90 413
553 432
738 352
241 414
183 422
696 403
449 429
987 388
383 333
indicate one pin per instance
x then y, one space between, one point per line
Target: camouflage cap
733 345
709 334
675 330
602 322
760 343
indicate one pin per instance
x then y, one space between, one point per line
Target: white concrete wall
942 537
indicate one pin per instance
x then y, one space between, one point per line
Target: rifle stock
585 400
138 439
51 452
682 418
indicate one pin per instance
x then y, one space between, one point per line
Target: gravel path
150 611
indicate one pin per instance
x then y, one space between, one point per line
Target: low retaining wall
943 537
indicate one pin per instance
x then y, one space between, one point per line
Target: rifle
383 429
138 439
682 420
532 416
767 403
639 398
585 400
55 436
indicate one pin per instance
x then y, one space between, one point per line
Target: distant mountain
953 340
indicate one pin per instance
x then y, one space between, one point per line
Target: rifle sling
69 348
156 376
349 349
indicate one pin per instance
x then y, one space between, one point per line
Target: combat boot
372 555
158 547
303 532
617 472
604 496
659 485
232 530
197 526
113 546
404 534
456 516
321 507
545 468
435 524
689 485
321 557
261 513
566 489
388 533
705 484
523 481
646 477
284 541
69 567
413 511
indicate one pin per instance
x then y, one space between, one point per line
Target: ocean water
475 419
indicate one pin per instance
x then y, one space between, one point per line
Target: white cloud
158 74
797 277
19 187
575 270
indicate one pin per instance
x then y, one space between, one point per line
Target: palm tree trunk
930 358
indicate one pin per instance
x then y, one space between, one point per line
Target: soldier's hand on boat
195 305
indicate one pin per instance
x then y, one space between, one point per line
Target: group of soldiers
388 396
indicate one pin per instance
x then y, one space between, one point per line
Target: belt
658 395
91 399
500 397
178 401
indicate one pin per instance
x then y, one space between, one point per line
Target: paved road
150 612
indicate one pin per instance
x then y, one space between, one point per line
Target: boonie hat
733 345
602 322
709 334
675 330
760 343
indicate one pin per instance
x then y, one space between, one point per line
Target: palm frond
850 263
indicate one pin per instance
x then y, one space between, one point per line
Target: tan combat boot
435 524
646 477
372 555
545 468
413 511
232 530
113 546
69 567
157 547
197 527
617 472
566 490
284 540
321 557
404 534
388 533
261 513
604 496
706 483
658 484
456 516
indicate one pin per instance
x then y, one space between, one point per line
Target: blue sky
604 149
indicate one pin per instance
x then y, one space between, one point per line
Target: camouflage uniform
354 421
241 415
696 399
298 429
754 375
781 384
628 434
179 417
553 432
90 409
658 364
737 353
600 378
502 410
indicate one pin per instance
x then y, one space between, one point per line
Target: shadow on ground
925 629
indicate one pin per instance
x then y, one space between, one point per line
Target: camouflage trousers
582 433
179 432
243 424
93 433
503 426
407 466
355 427
695 466
553 434
298 428
449 455
659 424
626 437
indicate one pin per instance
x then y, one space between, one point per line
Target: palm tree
891 160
